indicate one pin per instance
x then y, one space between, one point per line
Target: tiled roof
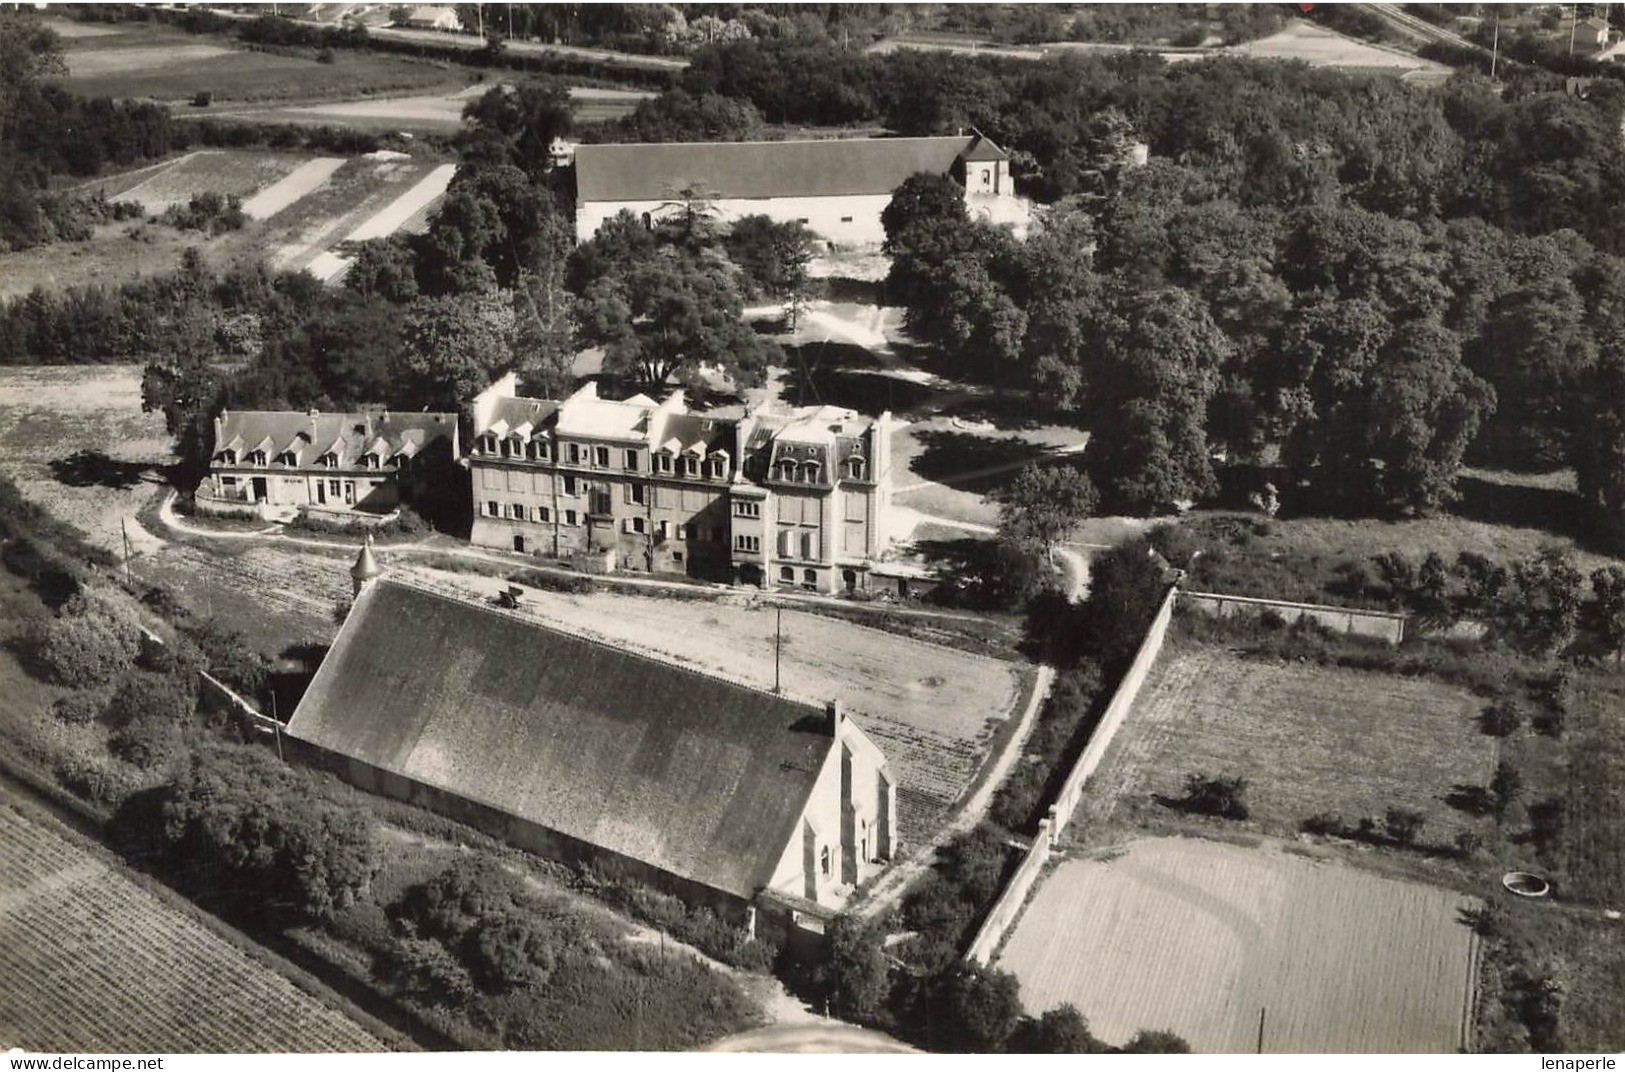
692 774
349 435
826 168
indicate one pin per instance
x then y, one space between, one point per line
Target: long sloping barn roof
698 776
760 169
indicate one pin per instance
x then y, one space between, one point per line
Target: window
231 457
570 517
662 463
488 444
330 461
691 466
787 470
597 501
543 514
809 545
637 525
747 508
538 451
518 511
987 177
663 529
493 509
570 486
575 454
787 546
809 578
787 575
677 558
823 859
716 469
803 219
257 458
810 472
632 460
854 468
637 494
682 531
333 489
747 543
846 219
372 461
601 457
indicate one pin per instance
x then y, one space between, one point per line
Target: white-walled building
837 187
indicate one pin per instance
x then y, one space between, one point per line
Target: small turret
365 569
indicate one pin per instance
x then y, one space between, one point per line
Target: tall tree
673 316
1043 504
454 348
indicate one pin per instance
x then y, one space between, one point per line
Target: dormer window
854 468
662 463
691 466
257 458
488 444
286 458
787 470
810 472
330 460
229 456
372 461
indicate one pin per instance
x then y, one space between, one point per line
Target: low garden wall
1008 906
1380 624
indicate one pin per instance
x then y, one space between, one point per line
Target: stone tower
365 569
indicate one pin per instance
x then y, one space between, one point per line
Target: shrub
854 974
1404 825
99 779
1060 1030
984 1009
1156 1042
1505 785
147 742
569 583
202 98
79 707
86 644
229 657
142 696
423 970
1219 796
1502 718
1468 843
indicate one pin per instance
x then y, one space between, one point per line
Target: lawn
1309 740
1204 940
93 962
219 171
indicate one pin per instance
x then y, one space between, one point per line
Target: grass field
1307 739
238 172
50 413
91 961
148 61
1197 938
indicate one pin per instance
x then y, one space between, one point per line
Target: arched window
809 578
787 470
787 575
854 468
648 222
823 859
810 472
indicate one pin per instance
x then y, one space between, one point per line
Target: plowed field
1200 939
92 962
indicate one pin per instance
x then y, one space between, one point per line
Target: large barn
837 187
767 809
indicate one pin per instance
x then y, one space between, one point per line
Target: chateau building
279 462
767 809
837 187
798 498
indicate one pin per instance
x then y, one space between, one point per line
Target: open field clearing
423 113
355 193
400 212
91 961
50 413
1308 739
932 710
1197 938
291 187
1320 47
213 170
69 30
149 61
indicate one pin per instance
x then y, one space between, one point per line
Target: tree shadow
948 453
866 392
1009 412
1551 510
93 468
1472 800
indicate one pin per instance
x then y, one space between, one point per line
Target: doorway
260 493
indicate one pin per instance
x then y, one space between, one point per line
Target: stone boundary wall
1014 895
1379 624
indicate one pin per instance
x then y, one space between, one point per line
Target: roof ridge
644 654
780 141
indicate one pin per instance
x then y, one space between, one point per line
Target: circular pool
1525 884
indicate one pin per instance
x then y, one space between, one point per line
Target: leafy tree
1404 825
386 268
984 1009
1608 609
926 198
678 115
78 708
423 970
1126 589
1044 503
1060 1030
1502 718
190 393
1062 293
494 225
672 316
454 348
1539 610
854 972
1156 370
346 354
147 742
152 698
515 125
1597 444
772 255
1156 1042
1505 786
1536 350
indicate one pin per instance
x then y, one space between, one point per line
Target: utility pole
778 630
125 532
